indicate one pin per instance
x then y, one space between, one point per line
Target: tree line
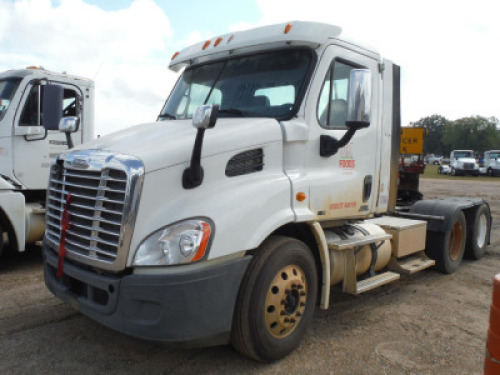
476 133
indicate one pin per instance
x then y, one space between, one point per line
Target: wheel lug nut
282 313
300 286
292 320
298 314
294 286
287 320
302 293
302 304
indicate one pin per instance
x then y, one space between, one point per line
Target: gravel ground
428 323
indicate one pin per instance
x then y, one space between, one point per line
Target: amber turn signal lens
288 28
174 55
207 43
217 42
300 196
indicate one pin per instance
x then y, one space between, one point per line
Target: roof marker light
217 42
207 43
230 38
175 55
287 28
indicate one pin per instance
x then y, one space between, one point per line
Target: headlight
179 243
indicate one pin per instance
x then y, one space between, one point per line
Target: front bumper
192 308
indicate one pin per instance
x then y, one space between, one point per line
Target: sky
448 50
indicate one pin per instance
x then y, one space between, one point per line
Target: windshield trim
300 96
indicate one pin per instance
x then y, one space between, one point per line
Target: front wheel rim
286 301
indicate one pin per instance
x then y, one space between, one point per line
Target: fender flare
13 216
444 211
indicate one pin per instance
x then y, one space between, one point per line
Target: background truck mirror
359 99
52 106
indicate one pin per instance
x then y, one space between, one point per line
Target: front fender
12 205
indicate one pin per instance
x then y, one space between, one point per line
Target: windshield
264 85
8 88
494 155
464 154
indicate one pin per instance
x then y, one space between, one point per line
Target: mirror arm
69 141
193 176
329 146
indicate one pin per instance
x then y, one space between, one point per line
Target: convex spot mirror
69 124
359 99
205 116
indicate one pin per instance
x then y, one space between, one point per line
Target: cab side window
332 105
32 114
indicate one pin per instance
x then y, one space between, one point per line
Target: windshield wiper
233 111
168 116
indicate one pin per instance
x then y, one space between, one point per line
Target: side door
34 147
342 185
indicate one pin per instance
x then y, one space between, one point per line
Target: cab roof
43 73
295 33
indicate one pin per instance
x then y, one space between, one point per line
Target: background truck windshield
464 154
8 88
264 85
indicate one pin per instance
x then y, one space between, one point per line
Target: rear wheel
478 233
276 301
447 249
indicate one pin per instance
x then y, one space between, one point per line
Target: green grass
431 171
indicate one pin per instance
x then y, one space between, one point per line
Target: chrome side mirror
359 99
205 116
69 124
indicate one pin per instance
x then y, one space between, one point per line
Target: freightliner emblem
80 163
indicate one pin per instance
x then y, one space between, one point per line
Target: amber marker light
207 43
288 28
32 67
204 242
217 41
174 55
301 196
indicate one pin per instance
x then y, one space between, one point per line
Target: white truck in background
491 163
463 162
234 229
29 141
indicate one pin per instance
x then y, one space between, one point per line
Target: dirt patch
428 323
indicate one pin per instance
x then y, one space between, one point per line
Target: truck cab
270 175
492 162
463 162
30 140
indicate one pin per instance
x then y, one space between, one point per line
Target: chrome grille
469 166
96 210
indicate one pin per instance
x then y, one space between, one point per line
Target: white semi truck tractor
30 139
269 177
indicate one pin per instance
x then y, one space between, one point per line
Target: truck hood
167 143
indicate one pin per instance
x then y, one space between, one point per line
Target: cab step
411 264
374 282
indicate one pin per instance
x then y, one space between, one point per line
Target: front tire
276 301
478 233
447 248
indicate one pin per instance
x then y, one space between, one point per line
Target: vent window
245 163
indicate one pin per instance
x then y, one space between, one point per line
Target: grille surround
105 190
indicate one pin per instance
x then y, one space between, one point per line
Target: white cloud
125 51
448 51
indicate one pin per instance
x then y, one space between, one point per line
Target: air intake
245 163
